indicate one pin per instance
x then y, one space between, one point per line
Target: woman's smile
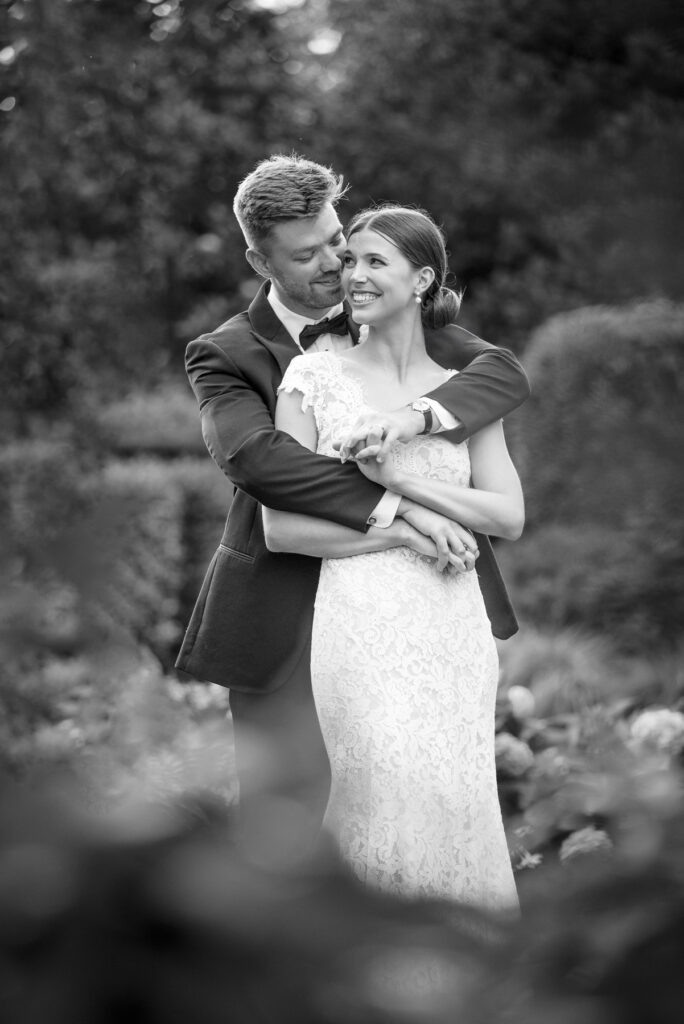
359 298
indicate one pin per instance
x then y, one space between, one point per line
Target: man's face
303 259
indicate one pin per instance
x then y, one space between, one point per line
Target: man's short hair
283 188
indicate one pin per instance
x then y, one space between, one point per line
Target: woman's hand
455 545
374 433
383 473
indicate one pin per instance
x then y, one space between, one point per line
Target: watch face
421 405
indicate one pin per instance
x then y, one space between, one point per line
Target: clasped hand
374 433
431 533
455 546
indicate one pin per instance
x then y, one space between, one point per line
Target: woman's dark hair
418 238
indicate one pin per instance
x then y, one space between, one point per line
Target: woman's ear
425 278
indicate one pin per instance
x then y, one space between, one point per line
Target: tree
548 138
129 129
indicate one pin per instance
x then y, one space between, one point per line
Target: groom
251 626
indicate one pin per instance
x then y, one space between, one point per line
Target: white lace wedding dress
405 670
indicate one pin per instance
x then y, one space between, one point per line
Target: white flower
513 756
585 842
60 739
659 728
528 861
521 700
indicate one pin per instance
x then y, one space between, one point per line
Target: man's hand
455 545
374 433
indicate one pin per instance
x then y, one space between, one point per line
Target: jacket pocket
241 555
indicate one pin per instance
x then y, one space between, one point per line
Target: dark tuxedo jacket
254 611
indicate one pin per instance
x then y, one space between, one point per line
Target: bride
404 665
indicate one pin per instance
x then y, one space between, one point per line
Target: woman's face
378 280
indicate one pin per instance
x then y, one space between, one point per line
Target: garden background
547 138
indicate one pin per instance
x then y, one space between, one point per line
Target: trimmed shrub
206 499
162 422
599 447
601 437
127 545
166 520
44 483
139 525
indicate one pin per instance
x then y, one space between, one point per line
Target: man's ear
258 262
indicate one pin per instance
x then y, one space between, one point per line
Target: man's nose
330 259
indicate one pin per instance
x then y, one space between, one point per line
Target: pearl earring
419 297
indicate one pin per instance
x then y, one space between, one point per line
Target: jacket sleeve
490 385
267 463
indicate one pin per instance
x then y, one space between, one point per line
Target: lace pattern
405 671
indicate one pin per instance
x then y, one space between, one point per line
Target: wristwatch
422 405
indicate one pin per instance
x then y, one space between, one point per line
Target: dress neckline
340 361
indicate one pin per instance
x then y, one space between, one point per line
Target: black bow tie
336 325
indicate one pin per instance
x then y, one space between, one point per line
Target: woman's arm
321 538
493 505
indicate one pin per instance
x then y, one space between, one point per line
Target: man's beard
316 295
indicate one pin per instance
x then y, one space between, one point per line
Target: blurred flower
659 728
521 700
527 861
162 775
585 842
552 764
513 756
199 696
60 739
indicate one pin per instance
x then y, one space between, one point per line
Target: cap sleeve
303 375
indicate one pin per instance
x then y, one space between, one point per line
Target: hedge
129 542
599 446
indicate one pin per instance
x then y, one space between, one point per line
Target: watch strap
426 410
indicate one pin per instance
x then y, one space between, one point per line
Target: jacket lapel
268 329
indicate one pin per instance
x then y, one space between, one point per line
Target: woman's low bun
440 307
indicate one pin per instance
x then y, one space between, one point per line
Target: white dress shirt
385 511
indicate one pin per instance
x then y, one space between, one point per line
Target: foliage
604 415
599 449
163 421
547 141
127 131
195 931
546 137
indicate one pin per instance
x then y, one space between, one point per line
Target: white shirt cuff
384 513
443 420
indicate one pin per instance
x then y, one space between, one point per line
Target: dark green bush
600 446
